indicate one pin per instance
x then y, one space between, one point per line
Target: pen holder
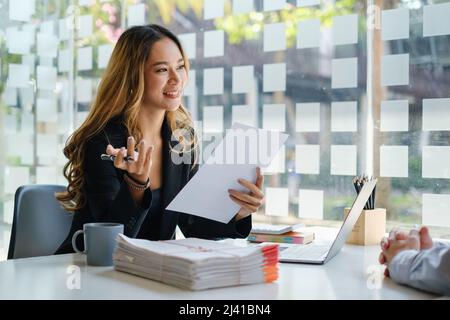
370 227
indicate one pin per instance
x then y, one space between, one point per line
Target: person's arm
108 196
427 270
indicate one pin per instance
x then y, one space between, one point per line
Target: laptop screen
351 218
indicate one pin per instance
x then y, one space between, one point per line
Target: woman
137 107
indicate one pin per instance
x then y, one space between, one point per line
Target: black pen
110 157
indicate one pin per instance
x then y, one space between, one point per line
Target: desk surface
346 276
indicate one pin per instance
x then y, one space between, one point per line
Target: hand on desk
249 202
401 240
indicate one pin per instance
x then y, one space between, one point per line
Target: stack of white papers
196 264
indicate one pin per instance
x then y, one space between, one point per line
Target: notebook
320 254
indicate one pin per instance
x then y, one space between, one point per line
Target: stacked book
280 234
196 264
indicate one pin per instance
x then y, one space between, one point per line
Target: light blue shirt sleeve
427 270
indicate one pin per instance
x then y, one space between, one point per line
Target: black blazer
109 200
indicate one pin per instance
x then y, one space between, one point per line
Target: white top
353 274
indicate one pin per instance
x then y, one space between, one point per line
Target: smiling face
165 76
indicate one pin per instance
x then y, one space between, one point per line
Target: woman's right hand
137 164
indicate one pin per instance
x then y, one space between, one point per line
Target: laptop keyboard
307 252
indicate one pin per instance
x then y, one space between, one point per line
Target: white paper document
243 149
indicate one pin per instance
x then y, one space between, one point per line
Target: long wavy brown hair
120 93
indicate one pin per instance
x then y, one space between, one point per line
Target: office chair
40 224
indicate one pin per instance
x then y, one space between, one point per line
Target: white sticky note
46 175
213 43
64 60
18 42
27 123
190 89
213 81
271 5
244 114
343 160
29 60
104 53
436 162
64 123
308 34
345 29
63 30
189 43
394 161
214 8
46 61
307 117
30 28
242 6
16 177
21 10
277 165
46 110
274 117
84 59
274 37
344 73
47 27
395 70
10 96
310 204
21 145
47 45
46 78
18 76
46 145
243 79
136 15
277 202
395 24
307 159
307 3
394 115
274 77
10 124
86 25
344 116
436 114
27 96
212 119
83 90
435 209
435 20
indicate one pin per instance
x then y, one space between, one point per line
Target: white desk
344 277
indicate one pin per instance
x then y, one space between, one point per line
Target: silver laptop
320 254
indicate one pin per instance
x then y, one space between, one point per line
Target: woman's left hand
250 202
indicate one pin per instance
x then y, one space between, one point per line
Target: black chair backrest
40 224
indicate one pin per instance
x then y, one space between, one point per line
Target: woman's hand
250 202
137 164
